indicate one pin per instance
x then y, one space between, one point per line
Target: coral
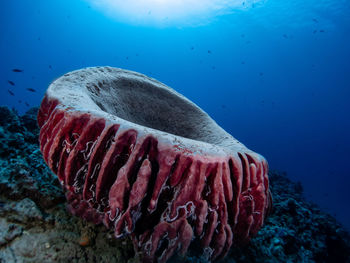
144 160
23 174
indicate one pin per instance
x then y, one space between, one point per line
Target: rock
8 232
24 211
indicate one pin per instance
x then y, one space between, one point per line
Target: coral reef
35 226
144 160
23 172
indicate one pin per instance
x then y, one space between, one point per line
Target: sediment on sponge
144 160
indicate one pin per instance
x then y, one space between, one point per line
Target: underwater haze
274 74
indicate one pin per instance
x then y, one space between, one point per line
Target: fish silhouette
11 93
11 82
17 70
31 90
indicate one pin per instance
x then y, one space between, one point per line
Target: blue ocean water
274 74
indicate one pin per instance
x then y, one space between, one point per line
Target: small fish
26 103
192 48
209 51
19 101
322 31
315 31
50 67
285 36
11 82
315 20
243 62
11 93
31 90
261 73
17 70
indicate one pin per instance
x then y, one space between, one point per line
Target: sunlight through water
170 12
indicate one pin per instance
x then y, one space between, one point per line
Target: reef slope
35 226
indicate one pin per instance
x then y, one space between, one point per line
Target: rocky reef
35 226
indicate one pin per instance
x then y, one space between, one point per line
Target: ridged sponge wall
144 160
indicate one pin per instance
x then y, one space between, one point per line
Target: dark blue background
277 77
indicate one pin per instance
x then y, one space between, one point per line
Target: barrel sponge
142 159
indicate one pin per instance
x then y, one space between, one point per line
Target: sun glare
170 12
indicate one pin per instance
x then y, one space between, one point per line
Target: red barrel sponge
144 160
